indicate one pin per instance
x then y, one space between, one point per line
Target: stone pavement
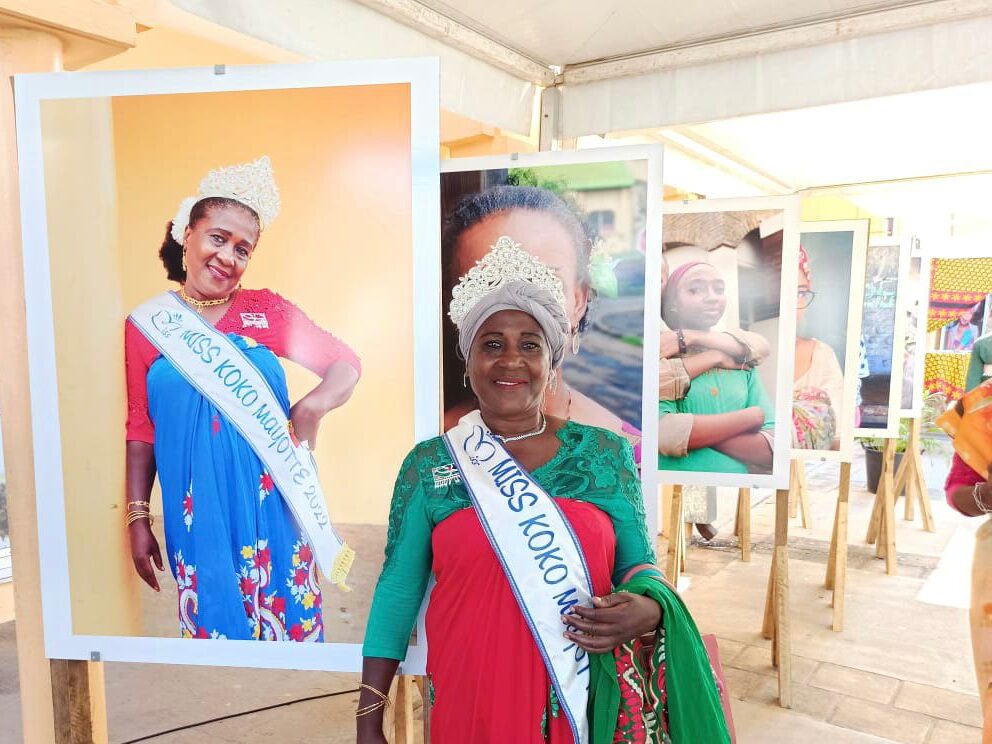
900 671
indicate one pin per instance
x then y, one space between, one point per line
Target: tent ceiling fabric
910 60
571 32
341 30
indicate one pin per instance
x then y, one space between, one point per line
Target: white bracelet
979 501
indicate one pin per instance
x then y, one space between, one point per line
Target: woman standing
202 371
526 520
724 423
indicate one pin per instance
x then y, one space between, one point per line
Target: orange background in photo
340 248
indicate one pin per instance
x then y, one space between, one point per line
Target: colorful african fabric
956 285
945 372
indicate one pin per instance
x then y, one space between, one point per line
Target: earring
553 381
184 258
575 342
465 380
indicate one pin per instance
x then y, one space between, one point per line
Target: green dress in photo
716 391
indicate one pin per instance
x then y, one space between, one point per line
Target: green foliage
933 406
529 177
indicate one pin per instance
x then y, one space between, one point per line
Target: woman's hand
669 344
612 620
306 416
145 551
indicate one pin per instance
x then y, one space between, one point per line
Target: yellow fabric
956 284
945 372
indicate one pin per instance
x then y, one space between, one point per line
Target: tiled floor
899 672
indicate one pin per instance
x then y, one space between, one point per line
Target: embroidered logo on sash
445 475
254 320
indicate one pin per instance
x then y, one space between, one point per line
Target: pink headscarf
671 288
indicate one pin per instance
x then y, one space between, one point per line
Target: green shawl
695 713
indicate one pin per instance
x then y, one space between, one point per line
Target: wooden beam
839 548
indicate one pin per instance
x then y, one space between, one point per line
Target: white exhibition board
31 93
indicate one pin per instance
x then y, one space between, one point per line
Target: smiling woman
245 566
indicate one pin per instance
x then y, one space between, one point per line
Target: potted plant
933 406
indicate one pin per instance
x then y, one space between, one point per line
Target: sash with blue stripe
539 553
221 372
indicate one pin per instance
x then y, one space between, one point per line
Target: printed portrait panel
263 458
881 345
589 215
728 318
831 275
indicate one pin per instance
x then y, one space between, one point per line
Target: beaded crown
506 262
251 184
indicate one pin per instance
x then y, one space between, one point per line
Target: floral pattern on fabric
188 508
641 673
265 486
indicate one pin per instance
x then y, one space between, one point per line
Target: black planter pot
873 467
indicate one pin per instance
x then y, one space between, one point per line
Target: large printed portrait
590 216
831 275
881 345
225 370
728 322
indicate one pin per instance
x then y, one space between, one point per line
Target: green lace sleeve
404 576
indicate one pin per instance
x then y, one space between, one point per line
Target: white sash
539 553
219 370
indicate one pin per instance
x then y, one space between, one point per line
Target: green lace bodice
592 465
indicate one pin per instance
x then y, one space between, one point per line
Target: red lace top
260 314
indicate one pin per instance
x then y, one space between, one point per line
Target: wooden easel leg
783 632
803 495
744 523
676 537
423 687
776 620
840 554
666 509
403 710
886 545
875 522
793 490
828 582
71 701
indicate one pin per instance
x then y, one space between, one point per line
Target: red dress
487 675
260 314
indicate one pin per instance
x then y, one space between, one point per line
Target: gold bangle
134 516
370 709
143 503
378 693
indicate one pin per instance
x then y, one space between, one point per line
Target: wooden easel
403 722
776 620
882 526
911 481
836 578
676 537
742 523
799 493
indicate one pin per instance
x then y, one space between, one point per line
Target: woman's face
542 236
218 247
801 294
509 364
701 299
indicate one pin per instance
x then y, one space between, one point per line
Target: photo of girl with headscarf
725 421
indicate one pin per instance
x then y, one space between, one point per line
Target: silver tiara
506 262
251 184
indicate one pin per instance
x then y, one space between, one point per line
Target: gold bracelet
378 693
134 516
142 503
370 709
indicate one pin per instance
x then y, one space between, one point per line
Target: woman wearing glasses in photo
819 381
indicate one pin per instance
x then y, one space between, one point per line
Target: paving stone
882 720
740 682
810 701
854 682
759 659
946 732
729 649
940 703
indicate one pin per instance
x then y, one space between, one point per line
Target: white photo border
654 155
789 206
919 362
859 252
422 74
